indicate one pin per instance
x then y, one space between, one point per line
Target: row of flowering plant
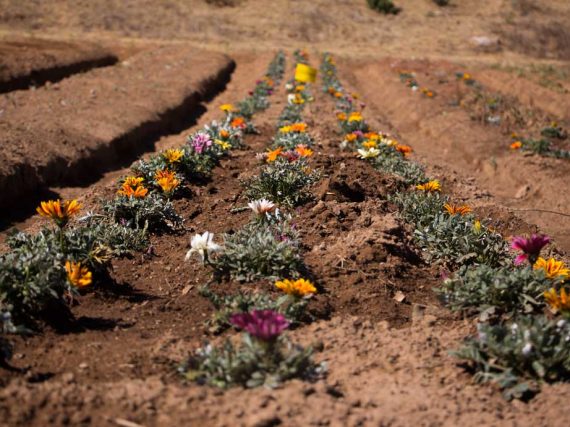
521 297
267 247
41 273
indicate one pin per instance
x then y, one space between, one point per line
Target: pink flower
530 247
200 141
265 325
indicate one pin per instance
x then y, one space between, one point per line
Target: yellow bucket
305 74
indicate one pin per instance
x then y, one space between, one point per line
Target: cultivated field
390 241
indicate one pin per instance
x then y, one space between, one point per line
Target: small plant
384 6
260 251
283 182
496 291
419 207
520 354
150 211
265 357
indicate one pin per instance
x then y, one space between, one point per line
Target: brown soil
34 62
388 361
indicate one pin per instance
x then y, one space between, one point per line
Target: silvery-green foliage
246 301
391 161
152 211
418 207
520 354
251 364
292 113
260 251
289 140
496 291
283 182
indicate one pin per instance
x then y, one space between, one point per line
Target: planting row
41 274
266 249
523 303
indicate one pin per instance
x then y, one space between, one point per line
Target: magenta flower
530 247
265 325
200 142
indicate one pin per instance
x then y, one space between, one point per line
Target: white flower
527 349
368 154
261 207
291 98
289 86
202 244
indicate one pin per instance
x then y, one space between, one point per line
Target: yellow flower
285 129
300 88
355 116
350 137
516 145
133 181
58 210
227 108
173 156
429 187
272 155
557 302
303 151
466 76
166 180
372 135
456 209
223 144
77 275
552 268
298 99
297 288
477 227
369 144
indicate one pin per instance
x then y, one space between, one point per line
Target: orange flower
272 155
77 275
338 94
166 180
58 210
298 288
133 181
369 144
303 151
341 116
516 145
372 135
404 149
557 302
238 122
456 209
224 134
300 88
299 127
331 90
132 187
350 137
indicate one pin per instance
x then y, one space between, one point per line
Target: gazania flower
285 129
303 150
238 123
430 186
558 302
298 288
466 76
265 325
137 192
338 94
404 149
272 155
369 144
389 142
58 210
167 180
173 156
227 108
133 181
553 269
299 127
200 141
222 144
203 245
341 116
224 134
350 137
516 145
373 136
331 90
477 227
369 153
355 116
78 275
300 88
262 206
456 209
530 247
